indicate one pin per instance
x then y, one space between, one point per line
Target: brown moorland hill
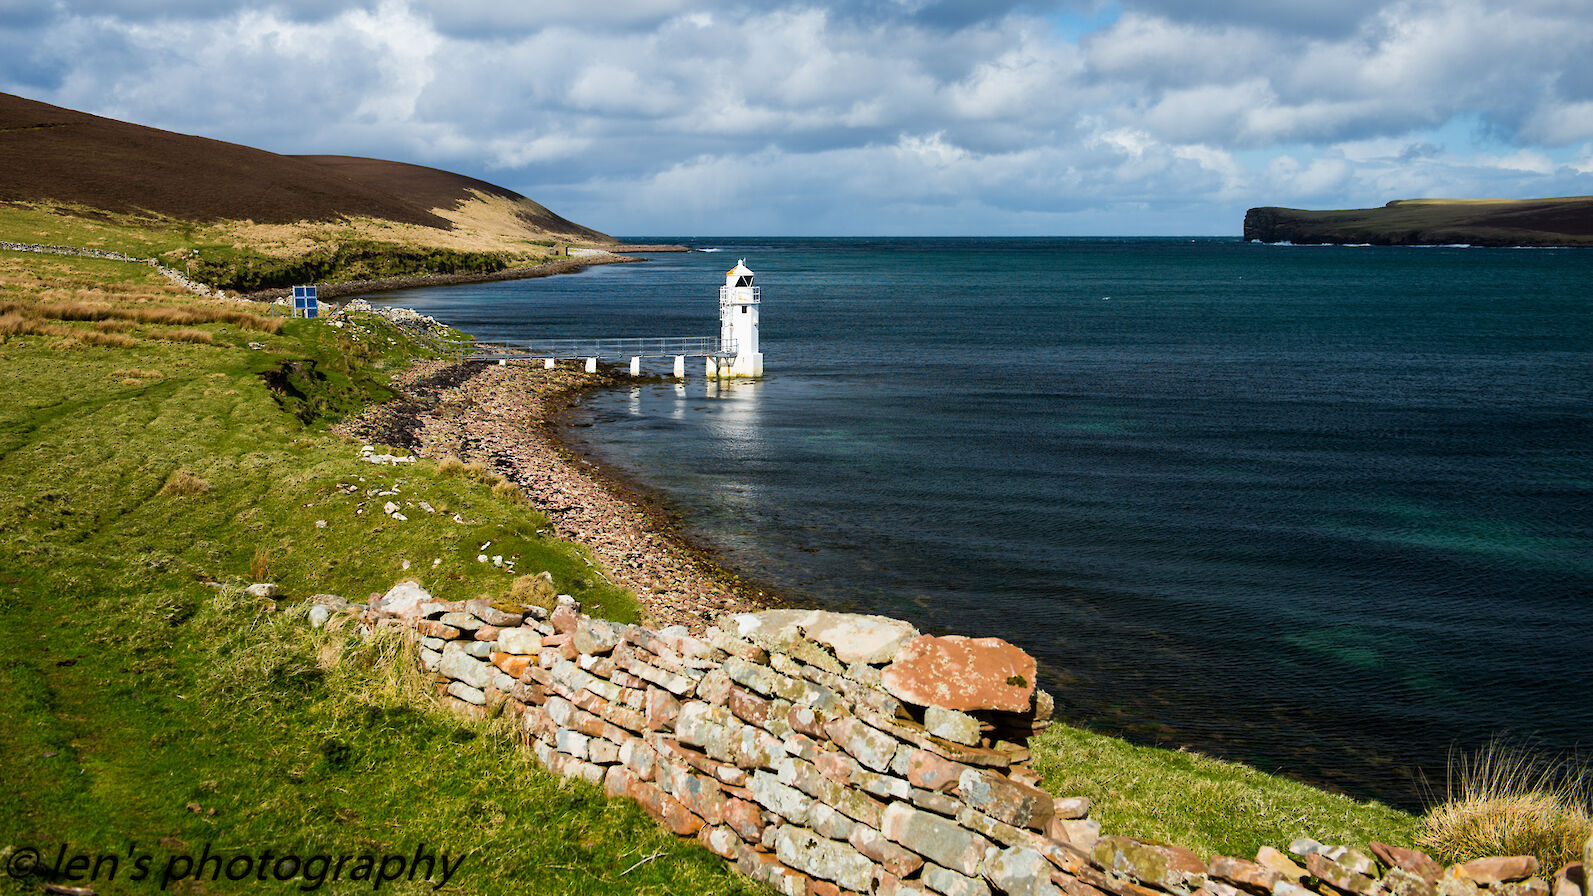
65 157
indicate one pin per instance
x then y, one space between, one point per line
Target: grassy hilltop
244 219
1565 221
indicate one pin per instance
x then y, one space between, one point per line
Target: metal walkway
572 349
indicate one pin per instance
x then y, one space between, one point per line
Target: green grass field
151 708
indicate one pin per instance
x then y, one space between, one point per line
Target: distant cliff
1566 221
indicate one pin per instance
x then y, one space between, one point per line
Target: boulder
955 672
404 599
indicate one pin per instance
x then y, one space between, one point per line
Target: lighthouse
738 323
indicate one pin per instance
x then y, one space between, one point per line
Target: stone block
459 665
851 638
1006 800
1285 866
467 693
1166 867
938 839
641 759
1499 869
465 622
1338 876
823 858
1399 882
662 710
938 803
665 809
1251 877
894 859
572 743
617 781
1071 807
1018 871
478 649
430 660
955 726
961 673
524 641
511 664
758 749
603 751
766 869
596 637
951 883
487 633
829 822
925 769
745 818
564 618
721 841
785 801
494 615
431 628
1412 860
869 746
403 600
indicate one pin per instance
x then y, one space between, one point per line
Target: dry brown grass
533 591
260 566
183 484
450 466
115 326
202 337
1505 801
109 340
504 490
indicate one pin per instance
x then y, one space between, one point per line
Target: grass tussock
109 340
451 466
1504 800
115 326
533 591
187 334
507 491
260 566
183 484
137 373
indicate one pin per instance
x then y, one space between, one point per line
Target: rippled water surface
1328 510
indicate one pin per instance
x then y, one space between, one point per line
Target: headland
1566 221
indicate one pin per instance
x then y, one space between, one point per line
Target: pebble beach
504 416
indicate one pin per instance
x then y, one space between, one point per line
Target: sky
863 117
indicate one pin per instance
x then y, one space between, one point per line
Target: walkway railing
648 347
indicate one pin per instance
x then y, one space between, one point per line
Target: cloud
802 115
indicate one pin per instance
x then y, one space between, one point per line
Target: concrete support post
712 368
636 366
591 365
547 363
680 367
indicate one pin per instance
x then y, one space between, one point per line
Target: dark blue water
1327 510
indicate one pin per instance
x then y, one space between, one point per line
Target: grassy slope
138 700
133 692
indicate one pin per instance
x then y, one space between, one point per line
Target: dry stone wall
826 753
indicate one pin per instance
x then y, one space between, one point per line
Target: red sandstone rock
749 707
431 628
662 710
512 665
1499 869
1249 876
961 673
1413 860
926 770
564 619
1167 867
745 818
1338 876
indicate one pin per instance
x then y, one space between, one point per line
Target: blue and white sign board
304 302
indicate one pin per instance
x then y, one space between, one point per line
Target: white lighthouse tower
738 322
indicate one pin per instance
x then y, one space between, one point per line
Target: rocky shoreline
505 416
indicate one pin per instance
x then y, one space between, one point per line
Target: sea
1324 510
